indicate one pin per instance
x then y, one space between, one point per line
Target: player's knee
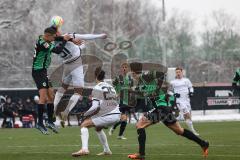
78 91
63 88
50 99
187 116
124 117
87 123
42 99
82 125
179 131
98 129
140 125
137 126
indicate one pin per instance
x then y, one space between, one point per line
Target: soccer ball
56 21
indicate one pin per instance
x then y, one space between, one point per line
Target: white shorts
184 106
74 77
107 120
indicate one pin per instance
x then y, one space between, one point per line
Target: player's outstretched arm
89 36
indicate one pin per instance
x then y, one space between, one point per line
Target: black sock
40 113
141 140
117 124
122 127
50 109
188 134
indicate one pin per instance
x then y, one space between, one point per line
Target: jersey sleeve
189 84
94 108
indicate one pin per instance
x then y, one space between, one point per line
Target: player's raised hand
66 37
104 36
77 41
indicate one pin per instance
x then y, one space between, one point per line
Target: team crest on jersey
44 84
46 45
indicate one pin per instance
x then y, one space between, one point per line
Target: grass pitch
162 144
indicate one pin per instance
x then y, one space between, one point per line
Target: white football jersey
71 52
106 97
181 86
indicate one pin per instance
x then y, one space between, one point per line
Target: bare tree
221 45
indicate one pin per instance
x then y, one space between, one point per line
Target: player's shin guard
72 102
190 125
189 135
40 113
59 94
103 139
141 140
122 127
84 138
50 109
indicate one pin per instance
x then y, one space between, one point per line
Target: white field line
115 145
125 154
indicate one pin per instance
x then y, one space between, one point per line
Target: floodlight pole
163 11
164 48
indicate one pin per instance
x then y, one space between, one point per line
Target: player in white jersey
103 113
72 71
182 89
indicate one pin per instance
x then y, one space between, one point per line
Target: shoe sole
129 156
105 154
80 155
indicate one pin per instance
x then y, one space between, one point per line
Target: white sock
72 102
190 125
84 138
103 139
59 94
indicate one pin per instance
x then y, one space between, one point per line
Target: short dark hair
179 68
136 67
54 27
99 74
50 30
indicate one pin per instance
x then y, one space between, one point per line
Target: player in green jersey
236 78
159 109
41 61
236 83
122 85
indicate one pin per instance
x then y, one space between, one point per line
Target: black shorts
164 114
41 79
124 109
144 105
